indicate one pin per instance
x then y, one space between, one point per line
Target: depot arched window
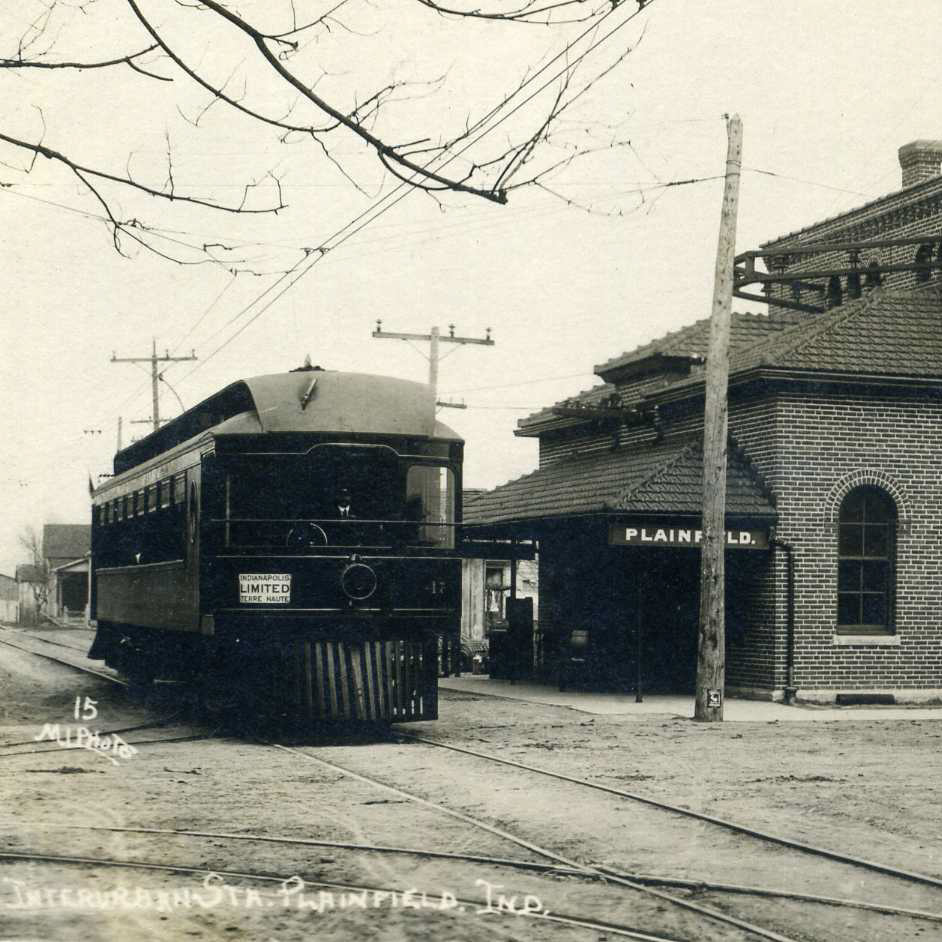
866 580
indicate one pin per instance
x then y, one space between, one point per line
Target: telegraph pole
434 338
153 359
711 642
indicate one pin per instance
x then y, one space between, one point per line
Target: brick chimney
920 161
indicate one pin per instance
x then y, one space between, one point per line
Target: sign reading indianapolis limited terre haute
658 534
264 588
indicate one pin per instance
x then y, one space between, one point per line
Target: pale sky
827 91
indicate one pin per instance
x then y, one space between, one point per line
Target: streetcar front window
331 497
339 496
430 501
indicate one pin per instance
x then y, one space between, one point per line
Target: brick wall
829 444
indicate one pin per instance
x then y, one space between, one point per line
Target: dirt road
868 789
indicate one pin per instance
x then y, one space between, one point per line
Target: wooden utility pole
434 337
153 359
711 643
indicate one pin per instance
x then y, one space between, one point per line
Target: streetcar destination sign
653 534
264 588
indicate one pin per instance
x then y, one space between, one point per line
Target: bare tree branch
41 150
218 93
21 63
529 157
387 154
528 12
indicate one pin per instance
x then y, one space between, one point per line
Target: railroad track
111 678
590 870
525 865
474 906
557 864
732 826
117 681
645 883
59 644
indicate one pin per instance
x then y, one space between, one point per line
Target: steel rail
58 644
59 660
475 905
136 742
101 732
885 869
700 910
514 863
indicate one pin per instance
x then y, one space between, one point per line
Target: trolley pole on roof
434 338
711 641
155 377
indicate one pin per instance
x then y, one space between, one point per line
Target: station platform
735 710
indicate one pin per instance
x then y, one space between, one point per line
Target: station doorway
666 614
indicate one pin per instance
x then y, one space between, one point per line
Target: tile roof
889 333
66 540
588 397
693 340
663 477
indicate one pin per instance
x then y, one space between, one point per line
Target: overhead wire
354 226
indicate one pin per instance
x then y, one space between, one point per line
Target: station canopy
659 479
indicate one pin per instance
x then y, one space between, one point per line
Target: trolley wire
354 226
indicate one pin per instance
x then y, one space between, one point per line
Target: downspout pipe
790 689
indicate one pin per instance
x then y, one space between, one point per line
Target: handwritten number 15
87 710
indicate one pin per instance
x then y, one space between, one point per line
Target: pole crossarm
155 377
380 334
434 337
814 248
788 256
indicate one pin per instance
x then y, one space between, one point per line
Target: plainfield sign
669 534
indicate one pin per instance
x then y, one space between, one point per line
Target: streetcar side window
141 501
152 498
179 488
430 502
166 492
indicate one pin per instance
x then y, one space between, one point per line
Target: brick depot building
834 498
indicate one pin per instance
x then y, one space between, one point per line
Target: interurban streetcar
290 540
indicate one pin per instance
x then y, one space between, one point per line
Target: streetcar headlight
358 581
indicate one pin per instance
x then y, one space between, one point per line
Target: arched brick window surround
873 478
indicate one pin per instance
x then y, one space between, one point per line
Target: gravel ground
869 788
